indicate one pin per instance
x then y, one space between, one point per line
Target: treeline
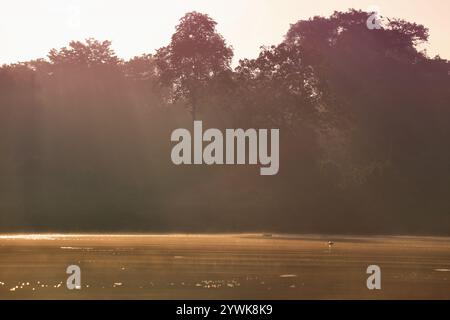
364 119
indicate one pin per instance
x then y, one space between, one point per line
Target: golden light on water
218 266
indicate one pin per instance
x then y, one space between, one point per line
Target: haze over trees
364 119
196 56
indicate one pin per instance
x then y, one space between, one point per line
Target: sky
30 28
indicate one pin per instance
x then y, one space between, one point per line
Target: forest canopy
364 119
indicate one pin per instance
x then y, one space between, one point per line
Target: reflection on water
442 270
214 284
221 266
30 237
62 236
32 286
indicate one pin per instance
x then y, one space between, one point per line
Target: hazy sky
30 28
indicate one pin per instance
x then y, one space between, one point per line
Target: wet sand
244 266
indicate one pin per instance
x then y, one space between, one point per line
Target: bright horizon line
275 236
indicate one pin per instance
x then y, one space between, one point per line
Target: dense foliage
364 118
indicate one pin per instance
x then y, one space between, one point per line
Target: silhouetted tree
141 68
91 53
195 55
279 87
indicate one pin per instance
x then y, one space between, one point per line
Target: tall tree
196 55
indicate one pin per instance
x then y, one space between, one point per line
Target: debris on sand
288 276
